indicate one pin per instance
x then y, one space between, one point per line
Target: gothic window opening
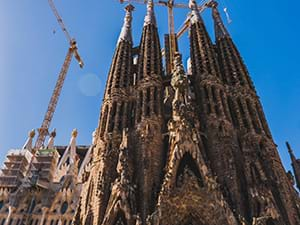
257 209
188 168
148 109
155 102
64 207
190 220
270 222
1 204
120 117
120 219
31 206
132 113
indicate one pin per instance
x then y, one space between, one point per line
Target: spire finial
50 144
28 143
126 29
31 134
73 145
220 29
74 133
150 17
195 14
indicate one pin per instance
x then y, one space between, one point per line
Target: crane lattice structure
170 4
43 131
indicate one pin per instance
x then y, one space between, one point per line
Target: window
64 208
1 204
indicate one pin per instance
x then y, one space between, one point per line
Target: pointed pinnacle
125 34
195 15
150 16
220 29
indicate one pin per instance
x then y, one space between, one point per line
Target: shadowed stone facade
201 153
182 148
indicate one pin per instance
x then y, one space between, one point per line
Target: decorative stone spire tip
74 133
195 15
31 133
125 34
220 29
150 16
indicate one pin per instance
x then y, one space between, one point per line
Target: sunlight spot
90 85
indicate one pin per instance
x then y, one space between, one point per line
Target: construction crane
170 4
43 131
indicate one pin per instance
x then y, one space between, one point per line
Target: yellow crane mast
43 131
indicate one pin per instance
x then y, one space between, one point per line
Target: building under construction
172 147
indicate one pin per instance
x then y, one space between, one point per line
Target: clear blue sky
266 33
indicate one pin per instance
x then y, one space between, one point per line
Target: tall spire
295 165
125 34
220 29
150 16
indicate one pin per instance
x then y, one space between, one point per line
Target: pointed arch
270 221
120 219
191 220
188 166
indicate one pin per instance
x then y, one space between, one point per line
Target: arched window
120 219
188 166
64 207
1 204
32 206
270 222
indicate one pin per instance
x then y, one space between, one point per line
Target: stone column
10 211
44 210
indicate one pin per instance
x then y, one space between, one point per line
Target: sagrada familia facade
171 148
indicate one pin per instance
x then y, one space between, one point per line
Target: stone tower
210 160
